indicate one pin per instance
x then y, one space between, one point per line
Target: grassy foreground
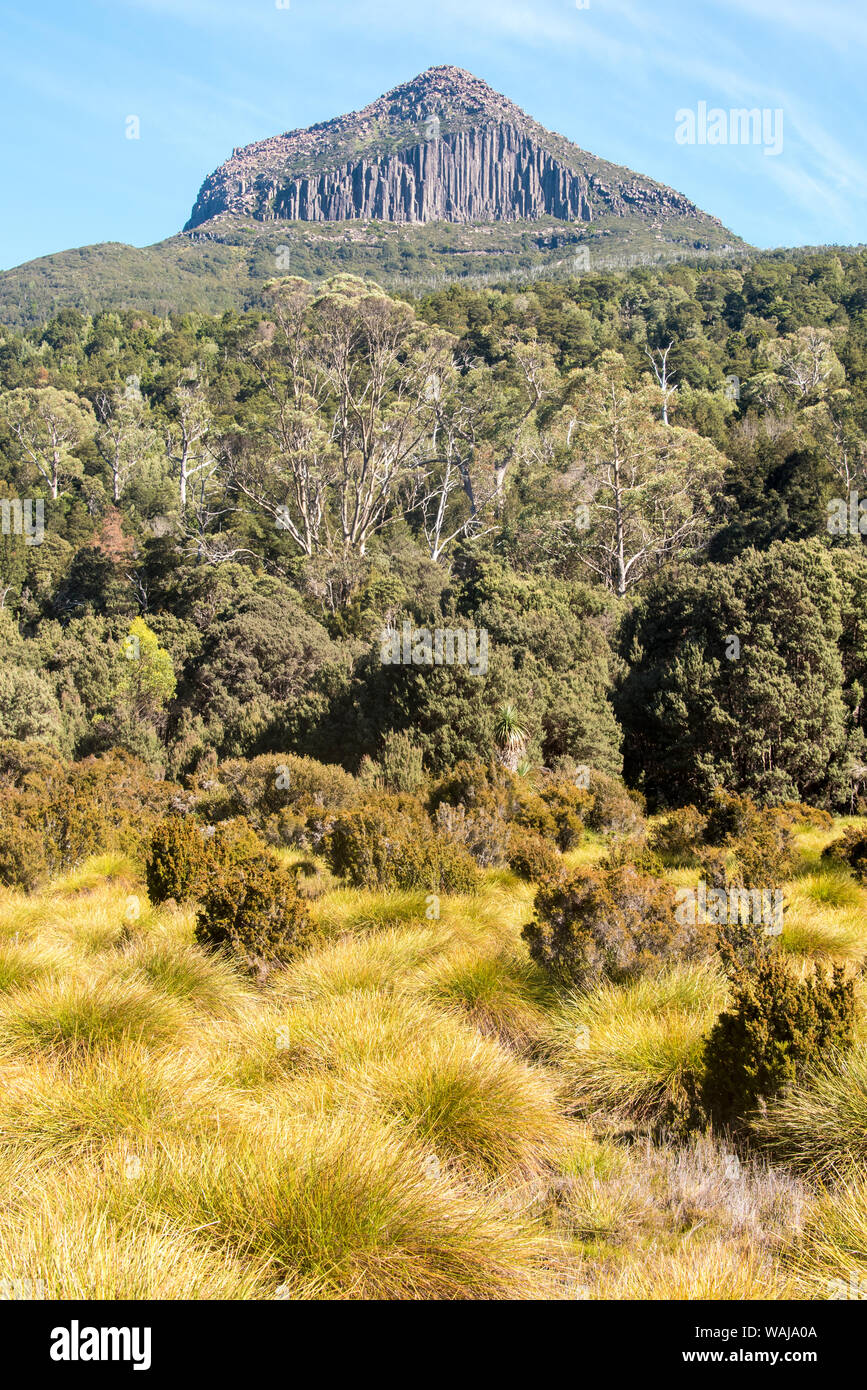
408 1111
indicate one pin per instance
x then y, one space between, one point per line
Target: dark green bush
251 907
29 766
679 835
775 1026
390 844
730 818
78 809
483 831
22 854
608 924
401 764
287 799
637 854
177 861
614 810
569 805
67 822
799 813
532 857
757 840
469 783
527 809
850 849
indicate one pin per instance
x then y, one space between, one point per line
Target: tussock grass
381 962
23 963
96 1101
358 910
349 1210
394 1114
721 1270
500 993
71 1016
706 1185
832 1260
58 1241
826 917
822 1123
624 1048
597 1212
469 1101
183 972
96 873
327 1035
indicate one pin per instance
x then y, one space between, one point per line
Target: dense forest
642 487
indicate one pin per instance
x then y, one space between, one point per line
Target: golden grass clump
624 1048
347 1210
409 1110
73 1015
820 1124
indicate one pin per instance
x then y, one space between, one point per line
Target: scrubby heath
251 1050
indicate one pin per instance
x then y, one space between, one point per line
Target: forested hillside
623 480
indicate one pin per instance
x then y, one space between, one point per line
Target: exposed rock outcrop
444 147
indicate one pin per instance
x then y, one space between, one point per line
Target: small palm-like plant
511 736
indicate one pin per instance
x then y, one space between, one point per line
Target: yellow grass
409 1110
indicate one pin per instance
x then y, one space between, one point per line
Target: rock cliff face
442 148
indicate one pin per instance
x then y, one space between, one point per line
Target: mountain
443 148
440 179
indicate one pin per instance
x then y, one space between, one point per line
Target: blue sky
205 75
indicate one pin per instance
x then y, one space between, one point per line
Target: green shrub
390 844
757 842
22 854
568 805
74 827
731 817
608 924
176 865
850 849
715 867
527 809
483 832
29 766
679 835
287 799
68 823
251 907
635 853
614 810
799 813
533 857
469 783
775 1026
129 798
401 764
78 809
232 842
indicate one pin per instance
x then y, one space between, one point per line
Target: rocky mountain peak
443 147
